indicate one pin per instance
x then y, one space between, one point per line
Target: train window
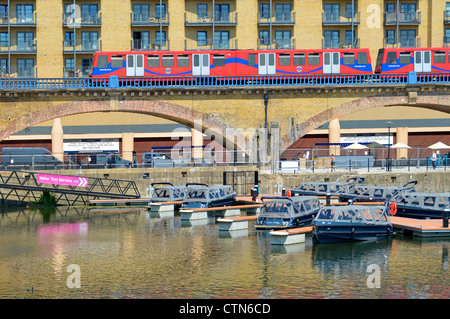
362 58
299 59
439 57
153 61
405 58
349 58
168 61
219 60
391 58
102 61
183 60
251 59
116 61
313 59
284 59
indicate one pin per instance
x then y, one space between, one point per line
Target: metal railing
218 18
338 43
232 81
278 18
211 44
19 19
413 17
149 19
332 18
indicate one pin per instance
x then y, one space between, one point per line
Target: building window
350 37
408 38
160 11
264 11
3 11
331 39
25 41
89 40
160 38
222 12
141 40
283 12
25 67
283 39
350 11
264 37
141 12
202 10
202 38
86 64
390 36
4 67
69 40
221 39
89 13
4 39
331 12
24 12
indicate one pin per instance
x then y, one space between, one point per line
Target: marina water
131 254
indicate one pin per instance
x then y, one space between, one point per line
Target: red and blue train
235 63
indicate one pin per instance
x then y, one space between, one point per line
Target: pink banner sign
62 180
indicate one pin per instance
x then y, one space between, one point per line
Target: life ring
393 208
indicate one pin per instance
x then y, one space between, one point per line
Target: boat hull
277 223
329 233
419 213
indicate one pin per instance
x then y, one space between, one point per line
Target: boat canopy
424 200
168 193
289 207
353 214
204 193
382 191
323 188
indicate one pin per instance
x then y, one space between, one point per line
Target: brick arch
166 110
438 102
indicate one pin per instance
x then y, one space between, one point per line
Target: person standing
433 159
333 163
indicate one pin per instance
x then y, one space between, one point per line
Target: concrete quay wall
428 181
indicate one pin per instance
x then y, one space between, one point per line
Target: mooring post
445 218
328 200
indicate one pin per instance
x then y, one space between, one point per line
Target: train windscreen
380 56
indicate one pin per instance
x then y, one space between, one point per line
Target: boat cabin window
183 60
219 60
391 58
162 193
367 214
362 58
346 215
102 61
116 61
167 61
197 194
251 59
284 59
439 57
349 58
313 59
153 61
326 214
405 57
276 210
429 201
299 59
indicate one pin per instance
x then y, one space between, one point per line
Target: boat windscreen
275 210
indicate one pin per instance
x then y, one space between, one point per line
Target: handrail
115 82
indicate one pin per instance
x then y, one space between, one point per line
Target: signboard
381 139
91 146
62 180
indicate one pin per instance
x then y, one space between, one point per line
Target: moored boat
167 193
287 212
324 188
352 223
200 195
422 205
377 191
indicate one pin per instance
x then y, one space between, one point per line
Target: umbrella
438 146
400 145
375 144
355 146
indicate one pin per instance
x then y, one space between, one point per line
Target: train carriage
420 60
230 63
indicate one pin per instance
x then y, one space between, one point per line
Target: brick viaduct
297 110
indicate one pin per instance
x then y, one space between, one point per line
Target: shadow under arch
170 111
435 102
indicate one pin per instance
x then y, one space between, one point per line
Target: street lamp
388 165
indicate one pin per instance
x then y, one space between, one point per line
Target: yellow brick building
57 38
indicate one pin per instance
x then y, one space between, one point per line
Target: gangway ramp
26 186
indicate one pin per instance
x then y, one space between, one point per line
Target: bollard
328 200
283 192
445 218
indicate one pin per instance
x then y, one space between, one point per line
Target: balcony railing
82 46
404 42
340 43
93 20
151 19
264 44
222 19
210 44
332 18
137 45
278 18
21 20
412 18
21 47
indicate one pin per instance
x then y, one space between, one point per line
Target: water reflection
132 253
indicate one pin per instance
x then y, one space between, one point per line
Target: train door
135 65
266 63
331 63
200 64
422 61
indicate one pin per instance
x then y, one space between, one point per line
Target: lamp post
388 162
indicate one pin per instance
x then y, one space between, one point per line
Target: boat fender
393 209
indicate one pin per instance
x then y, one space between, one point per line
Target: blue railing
211 82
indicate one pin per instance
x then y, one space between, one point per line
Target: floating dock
119 202
425 228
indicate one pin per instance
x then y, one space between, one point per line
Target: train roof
414 49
